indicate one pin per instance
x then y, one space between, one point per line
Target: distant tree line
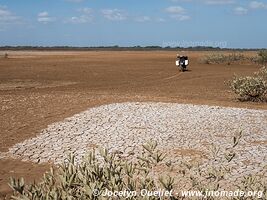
120 48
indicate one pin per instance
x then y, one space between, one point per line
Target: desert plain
39 88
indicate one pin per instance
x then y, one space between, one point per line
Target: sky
217 23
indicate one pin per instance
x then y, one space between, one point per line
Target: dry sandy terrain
40 88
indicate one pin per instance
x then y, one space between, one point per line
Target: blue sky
224 23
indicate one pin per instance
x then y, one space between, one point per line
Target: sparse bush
236 57
96 174
4 56
251 88
220 58
262 57
254 59
214 59
262 73
150 171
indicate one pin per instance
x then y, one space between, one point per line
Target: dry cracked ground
124 127
54 103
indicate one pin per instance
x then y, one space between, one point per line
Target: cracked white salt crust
124 127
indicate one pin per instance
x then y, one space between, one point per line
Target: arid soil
39 88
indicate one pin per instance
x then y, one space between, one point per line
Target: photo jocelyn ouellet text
172 193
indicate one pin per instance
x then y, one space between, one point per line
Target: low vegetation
251 88
104 171
223 58
5 56
262 73
262 57
220 58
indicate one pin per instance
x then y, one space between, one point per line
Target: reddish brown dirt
38 88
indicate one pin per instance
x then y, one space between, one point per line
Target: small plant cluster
5 56
219 58
251 88
262 57
96 174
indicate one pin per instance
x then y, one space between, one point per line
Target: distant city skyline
184 23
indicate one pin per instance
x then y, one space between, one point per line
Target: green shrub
150 171
251 88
